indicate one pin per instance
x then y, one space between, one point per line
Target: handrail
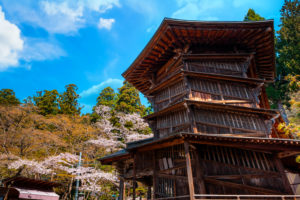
233 196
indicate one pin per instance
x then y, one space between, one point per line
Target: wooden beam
161 145
288 154
189 169
246 145
199 173
154 175
134 176
240 176
122 189
258 190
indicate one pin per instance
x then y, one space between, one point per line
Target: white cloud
10 43
67 16
95 89
39 50
62 17
105 23
198 9
101 6
59 16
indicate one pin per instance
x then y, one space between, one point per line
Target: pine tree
107 97
68 100
128 100
47 102
253 16
8 97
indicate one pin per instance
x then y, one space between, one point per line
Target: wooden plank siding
214 170
207 122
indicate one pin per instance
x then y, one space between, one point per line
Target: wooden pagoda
214 134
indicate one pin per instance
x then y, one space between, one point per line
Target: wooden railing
237 197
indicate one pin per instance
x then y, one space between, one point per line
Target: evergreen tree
128 100
252 16
288 55
68 101
8 97
106 97
47 102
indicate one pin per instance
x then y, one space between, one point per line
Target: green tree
288 56
252 16
68 100
47 102
106 97
8 97
288 40
128 99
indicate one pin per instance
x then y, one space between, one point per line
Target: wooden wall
224 170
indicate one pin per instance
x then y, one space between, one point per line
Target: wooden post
134 176
122 189
154 175
199 174
149 192
280 168
189 169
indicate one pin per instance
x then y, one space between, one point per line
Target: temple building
215 135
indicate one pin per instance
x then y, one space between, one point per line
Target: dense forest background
41 136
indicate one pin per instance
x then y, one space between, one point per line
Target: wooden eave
218 56
174 34
251 143
213 106
254 143
30 183
117 156
179 76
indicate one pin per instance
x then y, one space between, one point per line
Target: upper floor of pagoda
223 49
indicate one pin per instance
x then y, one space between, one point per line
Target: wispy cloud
11 43
39 49
95 89
198 9
59 16
105 23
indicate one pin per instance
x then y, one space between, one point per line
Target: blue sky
48 44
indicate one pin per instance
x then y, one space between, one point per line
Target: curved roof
172 34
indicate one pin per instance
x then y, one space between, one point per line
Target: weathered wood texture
209 90
217 170
212 122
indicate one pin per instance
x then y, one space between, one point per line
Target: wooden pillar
134 176
189 169
280 168
122 189
199 174
149 192
154 175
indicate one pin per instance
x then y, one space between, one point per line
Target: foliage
293 128
68 100
34 145
128 100
8 97
47 102
106 97
288 40
252 16
287 55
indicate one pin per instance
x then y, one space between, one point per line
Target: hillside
36 145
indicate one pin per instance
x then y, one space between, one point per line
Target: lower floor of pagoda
190 166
